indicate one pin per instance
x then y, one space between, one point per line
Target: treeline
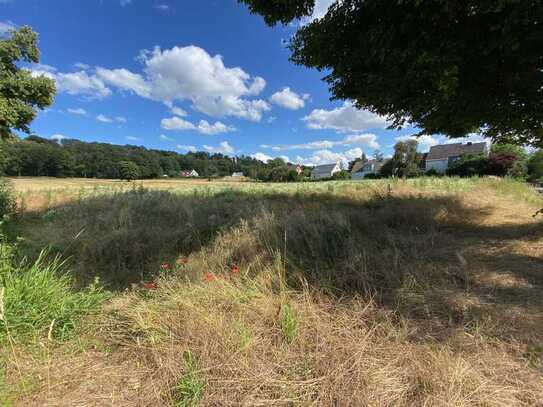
36 156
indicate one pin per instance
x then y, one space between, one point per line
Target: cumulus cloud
344 119
75 83
190 73
79 111
58 138
262 157
176 74
223 148
124 79
329 157
368 140
289 99
203 127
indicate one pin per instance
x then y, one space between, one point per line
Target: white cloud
262 157
120 119
125 2
104 119
186 148
124 79
321 7
368 140
329 157
6 27
211 129
344 119
223 148
166 138
162 7
289 99
176 74
132 138
177 111
58 138
425 141
75 83
176 123
190 73
203 127
79 111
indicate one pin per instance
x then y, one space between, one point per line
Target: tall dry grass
425 292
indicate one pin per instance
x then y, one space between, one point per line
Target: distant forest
37 156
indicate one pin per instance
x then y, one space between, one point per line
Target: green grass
289 322
190 389
38 300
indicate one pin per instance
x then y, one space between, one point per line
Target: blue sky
189 74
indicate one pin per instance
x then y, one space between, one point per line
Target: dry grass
426 292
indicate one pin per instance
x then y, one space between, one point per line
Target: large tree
446 66
21 94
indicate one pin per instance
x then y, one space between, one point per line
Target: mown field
177 293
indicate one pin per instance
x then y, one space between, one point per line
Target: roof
324 169
444 151
359 166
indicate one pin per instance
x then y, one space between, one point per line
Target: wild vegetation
407 292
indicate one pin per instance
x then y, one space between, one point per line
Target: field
372 293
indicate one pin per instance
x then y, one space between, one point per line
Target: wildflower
235 270
209 277
164 266
150 285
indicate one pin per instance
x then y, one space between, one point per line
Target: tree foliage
405 162
21 94
446 66
128 170
36 156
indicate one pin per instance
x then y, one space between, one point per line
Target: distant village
437 161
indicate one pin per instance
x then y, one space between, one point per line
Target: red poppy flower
209 277
235 270
150 285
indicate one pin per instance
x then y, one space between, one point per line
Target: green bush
38 299
7 200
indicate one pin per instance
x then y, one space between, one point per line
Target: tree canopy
449 67
21 94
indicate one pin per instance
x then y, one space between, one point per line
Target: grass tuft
190 389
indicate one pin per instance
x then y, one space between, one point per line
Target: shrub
128 170
535 166
38 298
469 165
342 175
7 200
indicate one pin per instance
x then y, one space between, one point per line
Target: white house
325 171
189 174
362 169
442 156
237 174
